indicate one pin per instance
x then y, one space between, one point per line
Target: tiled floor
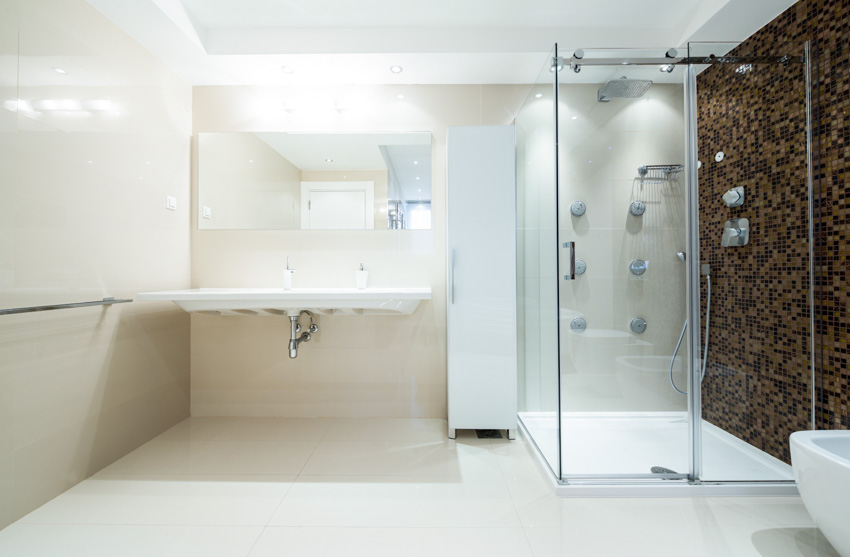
236 487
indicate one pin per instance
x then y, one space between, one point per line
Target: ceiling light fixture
415 162
400 97
396 69
417 177
250 160
286 69
60 71
538 95
329 160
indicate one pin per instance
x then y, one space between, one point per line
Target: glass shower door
622 272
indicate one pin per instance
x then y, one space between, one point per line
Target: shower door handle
571 274
452 277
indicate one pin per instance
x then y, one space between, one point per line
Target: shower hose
704 351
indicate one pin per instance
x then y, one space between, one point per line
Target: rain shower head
623 88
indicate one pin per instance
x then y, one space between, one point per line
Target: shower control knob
638 267
581 267
637 208
578 208
637 325
578 324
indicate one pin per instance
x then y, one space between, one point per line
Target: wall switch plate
170 202
207 212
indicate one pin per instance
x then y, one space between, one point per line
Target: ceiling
247 42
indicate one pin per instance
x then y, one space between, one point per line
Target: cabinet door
482 277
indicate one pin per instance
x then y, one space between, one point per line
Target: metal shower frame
625 483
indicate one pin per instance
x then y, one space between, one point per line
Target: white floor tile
392 542
395 501
83 540
316 487
249 429
215 457
393 458
387 429
187 500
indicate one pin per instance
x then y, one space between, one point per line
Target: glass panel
751 118
622 205
537 267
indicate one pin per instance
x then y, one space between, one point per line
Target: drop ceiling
225 42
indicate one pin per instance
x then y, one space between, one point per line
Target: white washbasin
821 462
277 301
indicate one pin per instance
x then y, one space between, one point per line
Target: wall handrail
103 302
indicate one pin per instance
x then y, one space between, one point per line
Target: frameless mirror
301 181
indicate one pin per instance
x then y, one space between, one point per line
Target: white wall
82 216
355 366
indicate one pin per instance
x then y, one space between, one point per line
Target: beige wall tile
83 217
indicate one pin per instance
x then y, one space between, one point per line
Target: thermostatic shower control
637 325
736 233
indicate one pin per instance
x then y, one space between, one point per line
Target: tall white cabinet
481 238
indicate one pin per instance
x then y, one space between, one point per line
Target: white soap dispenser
287 276
361 277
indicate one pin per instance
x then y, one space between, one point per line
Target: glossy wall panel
95 133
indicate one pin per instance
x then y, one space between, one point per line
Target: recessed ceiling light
329 160
250 160
396 69
420 189
538 95
399 97
417 177
286 69
90 162
415 162
148 163
575 118
59 70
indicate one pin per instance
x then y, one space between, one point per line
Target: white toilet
821 461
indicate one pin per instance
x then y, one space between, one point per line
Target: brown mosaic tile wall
757 383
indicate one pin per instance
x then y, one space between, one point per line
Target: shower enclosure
645 179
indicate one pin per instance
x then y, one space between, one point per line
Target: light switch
207 212
170 202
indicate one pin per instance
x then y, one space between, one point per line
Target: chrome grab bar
103 302
572 273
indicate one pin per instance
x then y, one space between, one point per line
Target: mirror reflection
310 181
